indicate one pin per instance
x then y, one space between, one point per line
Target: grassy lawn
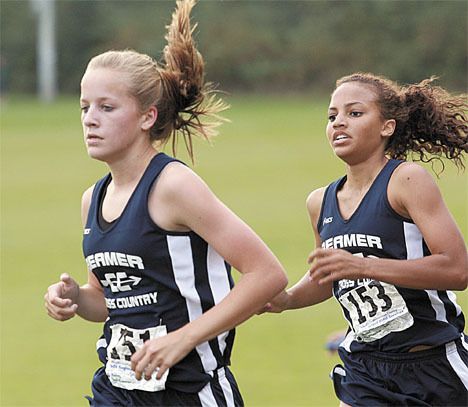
264 164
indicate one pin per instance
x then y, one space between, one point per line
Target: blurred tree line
267 46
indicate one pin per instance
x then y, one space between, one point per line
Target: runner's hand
61 298
160 354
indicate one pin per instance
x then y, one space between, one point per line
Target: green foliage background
275 45
266 161
263 165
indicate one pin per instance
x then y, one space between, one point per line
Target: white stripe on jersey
206 396
414 250
437 305
413 241
463 340
347 341
219 284
226 386
101 343
453 298
180 251
456 362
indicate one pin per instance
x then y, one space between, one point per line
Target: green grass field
272 154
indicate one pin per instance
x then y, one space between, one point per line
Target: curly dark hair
430 121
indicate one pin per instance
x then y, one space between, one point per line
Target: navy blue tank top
152 277
384 317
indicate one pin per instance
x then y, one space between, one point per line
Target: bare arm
306 291
65 299
182 201
414 194
91 304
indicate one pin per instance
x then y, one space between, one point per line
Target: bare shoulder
87 194
314 201
177 197
178 179
412 186
409 172
85 203
314 206
409 178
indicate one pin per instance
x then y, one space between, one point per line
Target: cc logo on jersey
120 281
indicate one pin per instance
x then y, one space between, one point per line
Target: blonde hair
186 104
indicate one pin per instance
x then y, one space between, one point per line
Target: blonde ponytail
189 105
186 105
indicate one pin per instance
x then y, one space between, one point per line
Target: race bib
124 343
375 310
